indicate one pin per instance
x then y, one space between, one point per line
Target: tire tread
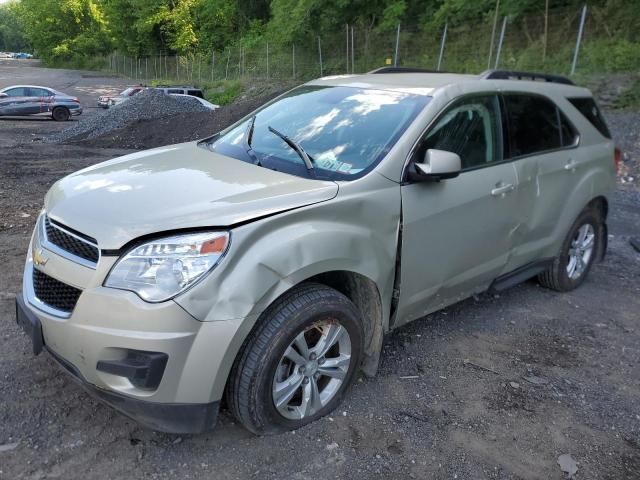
243 383
554 277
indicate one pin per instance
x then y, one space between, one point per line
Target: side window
38 92
17 92
175 90
471 128
533 124
195 93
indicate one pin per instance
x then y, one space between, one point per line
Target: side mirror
437 165
3 95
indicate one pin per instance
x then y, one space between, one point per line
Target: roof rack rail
175 86
531 76
402 70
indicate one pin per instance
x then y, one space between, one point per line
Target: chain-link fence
562 41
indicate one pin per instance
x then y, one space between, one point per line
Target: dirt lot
495 387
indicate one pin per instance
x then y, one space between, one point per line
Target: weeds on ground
223 92
629 98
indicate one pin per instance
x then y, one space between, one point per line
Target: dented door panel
457 238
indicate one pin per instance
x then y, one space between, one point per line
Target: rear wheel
581 247
297 363
60 114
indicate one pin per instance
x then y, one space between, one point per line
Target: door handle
502 189
571 165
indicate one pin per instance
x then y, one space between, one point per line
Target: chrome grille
78 245
54 293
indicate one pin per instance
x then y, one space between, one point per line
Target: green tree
12 37
64 29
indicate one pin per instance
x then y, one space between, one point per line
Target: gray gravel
147 105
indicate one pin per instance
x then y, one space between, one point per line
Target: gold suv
265 264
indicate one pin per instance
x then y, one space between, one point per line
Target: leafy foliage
11 35
64 29
74 30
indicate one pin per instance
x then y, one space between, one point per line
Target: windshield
345 131
128 92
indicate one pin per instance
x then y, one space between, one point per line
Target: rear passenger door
43 98
456 233
543 146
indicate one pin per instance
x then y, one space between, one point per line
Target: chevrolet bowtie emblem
39 258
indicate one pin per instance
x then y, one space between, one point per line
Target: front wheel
298 362
581 247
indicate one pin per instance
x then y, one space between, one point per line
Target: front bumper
183 418
105 334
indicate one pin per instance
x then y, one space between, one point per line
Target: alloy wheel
312 369
581 251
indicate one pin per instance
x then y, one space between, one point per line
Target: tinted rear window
587 106
533 124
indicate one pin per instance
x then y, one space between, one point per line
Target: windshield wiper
306 158
247 138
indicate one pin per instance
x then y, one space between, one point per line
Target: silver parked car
21 100
106 101
264 264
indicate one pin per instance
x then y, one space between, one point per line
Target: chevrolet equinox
262 266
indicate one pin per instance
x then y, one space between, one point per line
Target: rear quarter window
568 132
587 107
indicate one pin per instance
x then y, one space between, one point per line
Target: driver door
456 234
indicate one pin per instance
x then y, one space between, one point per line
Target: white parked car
209 105
106 101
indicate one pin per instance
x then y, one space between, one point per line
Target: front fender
356 232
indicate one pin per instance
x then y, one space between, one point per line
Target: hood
174 187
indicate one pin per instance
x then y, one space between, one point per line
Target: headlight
163 268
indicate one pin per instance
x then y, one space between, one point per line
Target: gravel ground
183 127
149 104
495 387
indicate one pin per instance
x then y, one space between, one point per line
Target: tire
60 114
561 276
306 312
